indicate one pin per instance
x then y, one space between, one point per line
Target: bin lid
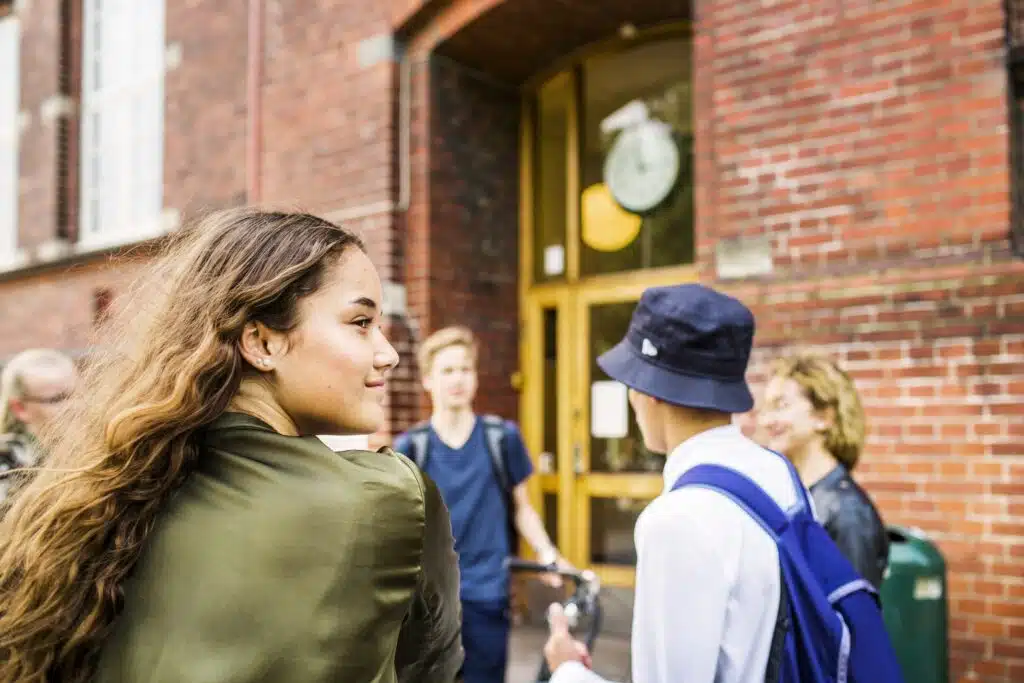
911 547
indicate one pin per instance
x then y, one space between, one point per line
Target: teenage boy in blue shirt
481 466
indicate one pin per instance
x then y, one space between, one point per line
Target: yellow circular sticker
606 225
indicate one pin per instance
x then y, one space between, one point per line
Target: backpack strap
763 509
496 434
419 441
494 430
742 490
783 623
802 494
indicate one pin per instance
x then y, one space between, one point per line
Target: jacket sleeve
861 536
430 642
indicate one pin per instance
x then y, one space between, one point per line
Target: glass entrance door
594 235
617 475
594 474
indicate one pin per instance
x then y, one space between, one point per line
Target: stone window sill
61 252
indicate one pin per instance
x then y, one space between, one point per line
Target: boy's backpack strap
777 651
742 490
419 441
762 508
803 495
495 432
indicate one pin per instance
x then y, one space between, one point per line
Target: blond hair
829 388
456 335
80 523
12 380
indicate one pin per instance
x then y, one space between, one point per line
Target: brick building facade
866 144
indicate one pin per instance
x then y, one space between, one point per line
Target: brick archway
512 40
458 241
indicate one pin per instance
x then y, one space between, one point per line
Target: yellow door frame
572 298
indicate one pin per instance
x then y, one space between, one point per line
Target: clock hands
638 157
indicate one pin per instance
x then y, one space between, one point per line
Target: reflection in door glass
637 129
611 529
608 325
551 179
547 461
551 516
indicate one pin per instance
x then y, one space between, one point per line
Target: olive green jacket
282 561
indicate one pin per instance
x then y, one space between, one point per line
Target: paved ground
611 656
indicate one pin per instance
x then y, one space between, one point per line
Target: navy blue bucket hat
687 345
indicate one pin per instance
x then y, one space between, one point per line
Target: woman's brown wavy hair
78 524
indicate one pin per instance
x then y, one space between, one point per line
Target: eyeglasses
48 400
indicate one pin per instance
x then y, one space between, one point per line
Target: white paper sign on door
609 410
554 260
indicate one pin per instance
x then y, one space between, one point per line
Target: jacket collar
688 453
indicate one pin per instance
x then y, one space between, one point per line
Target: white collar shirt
707 575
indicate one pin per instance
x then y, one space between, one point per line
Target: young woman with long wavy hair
186 523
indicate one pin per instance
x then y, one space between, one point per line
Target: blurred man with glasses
33 388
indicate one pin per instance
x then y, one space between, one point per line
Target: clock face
642 167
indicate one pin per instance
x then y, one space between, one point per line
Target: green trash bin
915 606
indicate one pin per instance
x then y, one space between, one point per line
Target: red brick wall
206 109
40 60
938 356
474 221
412 229
327 113
55 307
870 145
458 242
858 132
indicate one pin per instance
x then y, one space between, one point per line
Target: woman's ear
825 417
261 346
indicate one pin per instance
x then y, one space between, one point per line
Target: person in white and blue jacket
708 583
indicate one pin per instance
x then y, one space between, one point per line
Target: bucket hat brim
625 364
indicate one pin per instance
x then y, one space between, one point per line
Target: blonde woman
188 525
812 414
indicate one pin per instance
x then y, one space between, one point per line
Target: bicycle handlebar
585 601
516 564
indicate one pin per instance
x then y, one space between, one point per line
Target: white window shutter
122 124
10 96
92 124
150 120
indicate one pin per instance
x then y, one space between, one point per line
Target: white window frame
122 121
10 130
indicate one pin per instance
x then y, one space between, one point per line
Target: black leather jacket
850 518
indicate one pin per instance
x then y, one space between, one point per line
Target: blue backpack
830 627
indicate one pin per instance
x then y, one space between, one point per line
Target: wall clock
642 168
